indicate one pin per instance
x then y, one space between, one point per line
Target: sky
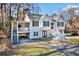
50 8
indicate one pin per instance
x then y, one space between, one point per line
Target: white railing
23 29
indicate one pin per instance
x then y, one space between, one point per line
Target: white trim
17 33
12 32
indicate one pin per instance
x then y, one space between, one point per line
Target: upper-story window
45 23
35 23
52 24
60 24
19 26
27 24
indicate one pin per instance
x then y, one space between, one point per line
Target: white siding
32 30
40 28
35 29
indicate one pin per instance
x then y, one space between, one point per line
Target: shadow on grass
62 50
69 53
48 53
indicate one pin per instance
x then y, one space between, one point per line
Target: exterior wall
40 28
61 28
35 29
61 35
48 28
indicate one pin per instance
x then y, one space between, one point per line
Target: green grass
56 54
74 37
36 51
32 51
73 40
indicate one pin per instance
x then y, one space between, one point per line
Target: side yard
68 47
42 48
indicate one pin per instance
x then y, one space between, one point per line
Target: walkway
69 50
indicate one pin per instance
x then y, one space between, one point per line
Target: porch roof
20 21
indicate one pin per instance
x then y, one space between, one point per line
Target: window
35 33
52 23
51 27
19 26
35 23
45 23
44 33
27 24
60 23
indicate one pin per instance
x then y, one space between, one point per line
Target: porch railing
23 29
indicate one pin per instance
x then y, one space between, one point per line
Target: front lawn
37 51
57 54
74 37
72 40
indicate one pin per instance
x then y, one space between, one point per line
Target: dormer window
45 23
60 24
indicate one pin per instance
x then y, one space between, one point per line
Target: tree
3 14
35 9
11 10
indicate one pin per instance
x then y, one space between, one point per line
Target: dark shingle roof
35 16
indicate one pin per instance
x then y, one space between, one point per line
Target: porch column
12 32
17 33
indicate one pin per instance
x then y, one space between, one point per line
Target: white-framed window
44 33
51 27
35 33
19 26
60 24
45 23
35 23
52 24
27 24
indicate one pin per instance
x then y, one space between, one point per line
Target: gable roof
41 17
57 16
34 16
26 18
44 16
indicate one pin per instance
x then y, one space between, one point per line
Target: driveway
69 50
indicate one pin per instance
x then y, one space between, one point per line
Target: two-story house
37 26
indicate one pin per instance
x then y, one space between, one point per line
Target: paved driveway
69 50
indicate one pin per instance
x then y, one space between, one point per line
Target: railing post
17 33
12 32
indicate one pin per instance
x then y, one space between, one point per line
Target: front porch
23 37
19 28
